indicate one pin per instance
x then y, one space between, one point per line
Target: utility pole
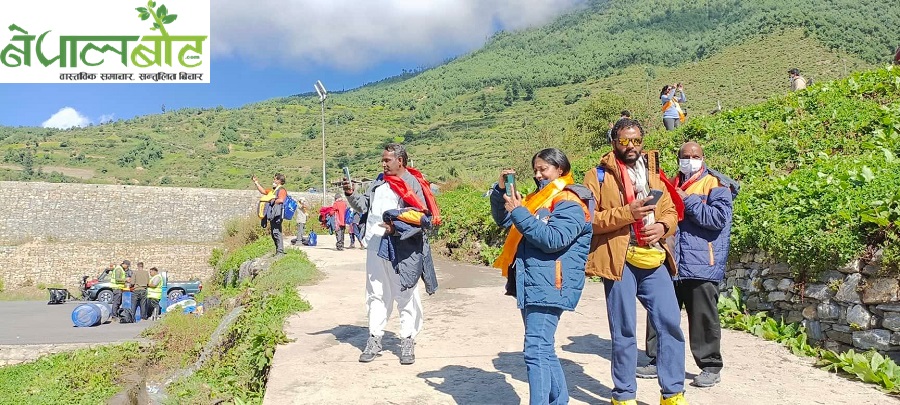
320 89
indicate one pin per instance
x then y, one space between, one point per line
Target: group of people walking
654 240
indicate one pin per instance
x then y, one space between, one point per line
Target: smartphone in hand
510 184
347 173
655 195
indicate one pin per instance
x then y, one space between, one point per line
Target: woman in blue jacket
544 258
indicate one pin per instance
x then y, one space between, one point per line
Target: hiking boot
648 371
706 379
677 399
372 350
407 351
624 402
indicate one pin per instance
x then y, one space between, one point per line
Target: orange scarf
542 198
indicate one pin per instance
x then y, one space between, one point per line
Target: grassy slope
454 115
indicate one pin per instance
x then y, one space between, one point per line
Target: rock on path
470 350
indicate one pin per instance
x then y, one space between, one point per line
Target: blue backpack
312 239
290 207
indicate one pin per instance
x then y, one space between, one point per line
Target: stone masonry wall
53 233
854 306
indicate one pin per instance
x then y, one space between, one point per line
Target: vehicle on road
101 289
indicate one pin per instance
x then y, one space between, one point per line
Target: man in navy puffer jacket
702 251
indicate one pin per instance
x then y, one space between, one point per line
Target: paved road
470 351
35 322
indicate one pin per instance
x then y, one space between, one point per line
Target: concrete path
470 351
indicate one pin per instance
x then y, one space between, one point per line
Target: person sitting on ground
797 82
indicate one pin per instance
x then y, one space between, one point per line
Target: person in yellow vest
628 250
154 293
671 97
117 278
275 197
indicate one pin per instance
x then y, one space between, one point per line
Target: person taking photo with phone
628 251
701 249
274 208
543 259
397 187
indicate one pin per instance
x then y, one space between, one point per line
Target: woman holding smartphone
543 259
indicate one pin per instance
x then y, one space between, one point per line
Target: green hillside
465 118
818 168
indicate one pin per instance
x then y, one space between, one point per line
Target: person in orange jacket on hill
628 251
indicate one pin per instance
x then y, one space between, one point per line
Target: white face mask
689 166
274 185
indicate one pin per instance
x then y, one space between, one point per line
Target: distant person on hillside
397 187
276 196
797 81
701 251
629 252
624 114
671 96
543 259
340 220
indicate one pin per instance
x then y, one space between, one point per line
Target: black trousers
275 224
116 302
340 236
700 299
152 308
139 301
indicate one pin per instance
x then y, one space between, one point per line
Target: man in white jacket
383 286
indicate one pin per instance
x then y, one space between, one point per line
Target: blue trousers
653 288
546 380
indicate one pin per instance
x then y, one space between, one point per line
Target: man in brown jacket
628 251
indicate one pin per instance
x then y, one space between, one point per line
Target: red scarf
689 181
409 196
636 226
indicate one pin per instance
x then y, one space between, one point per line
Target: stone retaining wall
53 233
854 306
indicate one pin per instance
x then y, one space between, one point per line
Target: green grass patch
86 376
238 373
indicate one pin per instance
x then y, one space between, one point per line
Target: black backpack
57 296
126 315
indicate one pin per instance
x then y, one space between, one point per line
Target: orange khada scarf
542 198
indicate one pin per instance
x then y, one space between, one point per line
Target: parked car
100 288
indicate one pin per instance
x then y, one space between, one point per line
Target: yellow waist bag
645 257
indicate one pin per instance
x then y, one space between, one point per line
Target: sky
278 48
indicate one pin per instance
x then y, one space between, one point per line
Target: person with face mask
275 196
543 259
701 249
628 251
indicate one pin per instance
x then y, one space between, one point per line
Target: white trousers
383 289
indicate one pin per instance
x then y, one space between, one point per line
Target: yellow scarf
542 198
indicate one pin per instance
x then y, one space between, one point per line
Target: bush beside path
470 350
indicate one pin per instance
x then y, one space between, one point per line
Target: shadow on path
358 335
593 344
470 385
582 387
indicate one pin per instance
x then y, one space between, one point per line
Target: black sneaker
372 350
706 379
407 351
648 371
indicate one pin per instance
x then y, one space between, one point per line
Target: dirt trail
470 350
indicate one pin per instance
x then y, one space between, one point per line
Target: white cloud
355 34
104 118
66 118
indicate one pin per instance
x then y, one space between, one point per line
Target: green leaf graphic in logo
160 15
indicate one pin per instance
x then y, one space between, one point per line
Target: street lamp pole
320 89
